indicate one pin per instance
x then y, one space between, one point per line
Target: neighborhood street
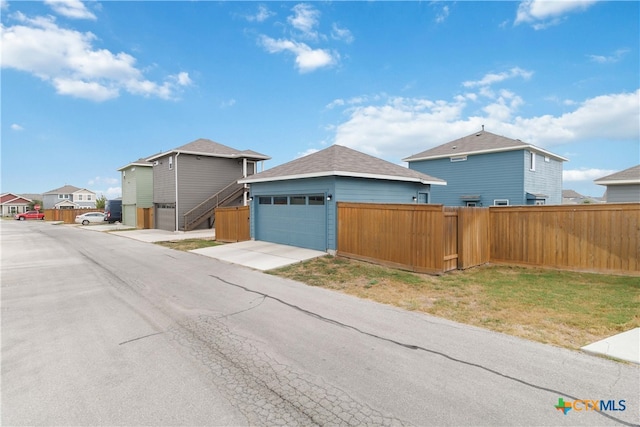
100 329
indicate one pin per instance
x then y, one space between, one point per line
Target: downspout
175 170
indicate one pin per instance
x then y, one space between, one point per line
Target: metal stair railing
206 209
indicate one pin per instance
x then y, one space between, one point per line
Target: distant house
623 186
572 197
295 203
69 197
190 181
137 189
11 204
485 169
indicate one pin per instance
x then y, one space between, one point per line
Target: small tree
100 202
33 203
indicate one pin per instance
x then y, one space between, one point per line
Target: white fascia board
340 173
495 150
617 181
197 153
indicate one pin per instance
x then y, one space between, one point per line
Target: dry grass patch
189 244
562 308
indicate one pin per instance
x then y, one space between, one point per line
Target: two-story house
190 181
137 189
69 197
485 169
623 186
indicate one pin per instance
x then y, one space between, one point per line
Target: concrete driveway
259 255
253 254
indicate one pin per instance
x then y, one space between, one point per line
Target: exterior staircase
206 210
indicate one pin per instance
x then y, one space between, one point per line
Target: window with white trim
501 202
458 158
532 161
170 162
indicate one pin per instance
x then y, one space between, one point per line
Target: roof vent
454 147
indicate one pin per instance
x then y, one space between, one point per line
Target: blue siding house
295 203
484 169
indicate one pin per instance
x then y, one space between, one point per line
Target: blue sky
88 87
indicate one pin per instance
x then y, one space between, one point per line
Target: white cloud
492 78
344 34
307 59
261 15
68 60
442 15
306 152
228 103
71 9
305 19
397 127
584 174
544 13
615 57
99 180
16 127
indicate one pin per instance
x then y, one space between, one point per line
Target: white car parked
88 217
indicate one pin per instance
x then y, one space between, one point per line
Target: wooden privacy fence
599 238
434 239
68 216
232 224
421 238
144 218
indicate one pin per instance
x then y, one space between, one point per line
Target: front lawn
566 309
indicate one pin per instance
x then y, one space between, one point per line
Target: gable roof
14 198
341 161
139 162
206 147
67 189
571 194
478 143
627 176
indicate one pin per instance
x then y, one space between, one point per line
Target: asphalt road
99 329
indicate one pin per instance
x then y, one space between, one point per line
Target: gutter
175 170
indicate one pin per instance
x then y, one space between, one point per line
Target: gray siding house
69 197
484 169
137 189
295 203
190 181
623 186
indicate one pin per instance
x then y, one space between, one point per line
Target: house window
63 196
458 158
547 159
501 202
79 197
264 200
472 204
170 162
280 200
316 200
298 200
88 196
539 202
532 161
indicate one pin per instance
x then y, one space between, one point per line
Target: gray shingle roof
206 147
627 176
67 189
476 143
341 161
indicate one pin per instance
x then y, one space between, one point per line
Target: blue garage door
297 220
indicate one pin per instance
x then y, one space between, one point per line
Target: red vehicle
30 215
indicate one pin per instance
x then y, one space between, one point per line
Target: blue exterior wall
342 189
492 176
545 179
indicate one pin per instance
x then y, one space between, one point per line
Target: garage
166 216
297 220
296 203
